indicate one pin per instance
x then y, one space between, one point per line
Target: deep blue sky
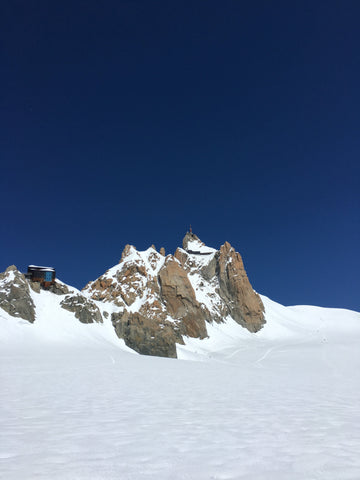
125 121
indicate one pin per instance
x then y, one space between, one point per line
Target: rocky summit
155 300
152 300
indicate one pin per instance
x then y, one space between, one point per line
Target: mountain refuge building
44 275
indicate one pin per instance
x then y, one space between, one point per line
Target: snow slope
282 404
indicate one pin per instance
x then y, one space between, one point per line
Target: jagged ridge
159 299
153 300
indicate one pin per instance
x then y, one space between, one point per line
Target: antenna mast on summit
190 229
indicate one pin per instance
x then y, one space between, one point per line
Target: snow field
92 414
279 405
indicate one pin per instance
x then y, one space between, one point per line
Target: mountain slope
279 404
76 402
159 305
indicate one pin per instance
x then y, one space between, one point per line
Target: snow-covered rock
159 300
15 297
84 309
156 305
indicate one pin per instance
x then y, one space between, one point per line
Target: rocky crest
154 300
243 304
15 297
157 300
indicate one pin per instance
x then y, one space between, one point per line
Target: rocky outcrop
146 336
243 304
59 288
189 239
133 287
180 300
155 301
122 285
35 286
84 309
230 293
15 297
161 299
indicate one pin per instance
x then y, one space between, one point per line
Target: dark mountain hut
44 275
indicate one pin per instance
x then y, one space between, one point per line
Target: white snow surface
282 404
199 246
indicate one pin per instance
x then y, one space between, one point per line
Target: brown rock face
134 287
159 299
244 305
122 287
182 256
180 300
144 336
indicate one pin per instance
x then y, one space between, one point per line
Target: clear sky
125 121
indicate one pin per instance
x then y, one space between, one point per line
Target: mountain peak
190 237
192 244
153 302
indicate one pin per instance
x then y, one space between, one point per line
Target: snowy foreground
282 404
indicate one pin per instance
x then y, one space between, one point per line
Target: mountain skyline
62 275
123 123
